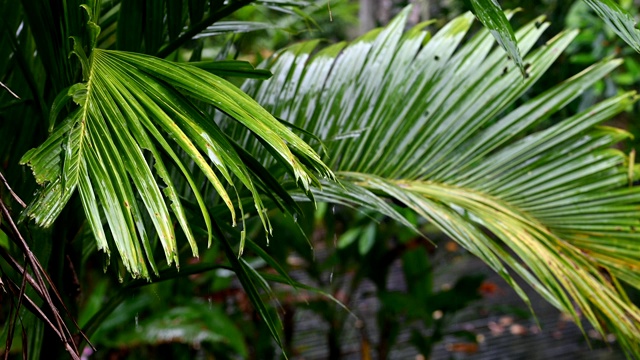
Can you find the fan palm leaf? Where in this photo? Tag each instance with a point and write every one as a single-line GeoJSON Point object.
{"type": "Point", "coordinates": [434, 123]}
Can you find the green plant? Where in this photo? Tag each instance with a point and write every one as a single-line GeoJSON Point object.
{"type": "Point", "coordinates": [403, 116]}
{"type": "Point", "coordinates": [614, 14]}
{"type": "Point", "coordinates": [548, 199]}
{"type": "Point", "coordinates": [131, 143]}
{"type": "Point", "coordinates": [349, 240]}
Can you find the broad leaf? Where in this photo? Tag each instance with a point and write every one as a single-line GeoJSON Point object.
{"type": "Point", "coordinates": [194, 323]}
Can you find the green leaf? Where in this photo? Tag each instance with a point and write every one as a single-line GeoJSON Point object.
{"type": "Point", "coordinates": [435, 124]}
{"type": "Point", "coordinates": [271, 262]}
{"type": "Point", "coordinates": [491, 15]}
{"type": "Point", "coordinates": [243, 109]}
{"type": "Point", "coordinates": [232, 68]}
{"type": "Point", "coordinates": [356, 197]}
{"type": "Point", "coordinates": [4, 240]}
{"type": "Point", "coordinates": [233, 27]}
{"type": "Point", "coordinates": [59, 103]}
{"type": "Point", "coordinates": [285, 280]}
{"type": "Point", "coordinates": [134, 112]}
{"type": "Point", "coordinates": [194, 323]}
{"type": "Point", "coordinates": [252, 282]}
{"type": "Point", "coordinates": [619, 20]}
{"type": "Point", "coordinates": [367, 239]}
{"type": "Point", "coordinates": [92, 27]}
{"type": "Point", "coordinates": [79, 52]}
{"type": "Point", "coordinates": [45, 160]}
{"type": "Point", "coordinates": [349, 237]}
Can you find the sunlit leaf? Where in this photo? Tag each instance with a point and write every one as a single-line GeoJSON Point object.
{"type": "Point", "coordinates": [118, 147]}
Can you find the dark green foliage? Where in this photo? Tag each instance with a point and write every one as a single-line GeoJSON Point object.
{"type": "Point", "coordinates": [151, 160]}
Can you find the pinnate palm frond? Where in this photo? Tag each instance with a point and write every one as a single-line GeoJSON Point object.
{"type": "Point", "coordinates": [619, 20]}
{"type": "Point", "coordinates": [133, 111]}
{"type": "Point", "coordinates": [433, 123]}
{"type": "Point", "coordinates": [613, 14]}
